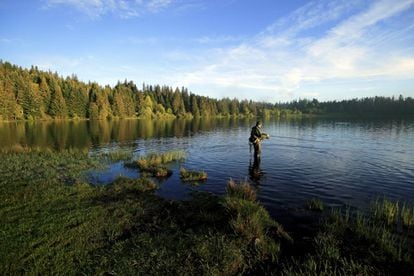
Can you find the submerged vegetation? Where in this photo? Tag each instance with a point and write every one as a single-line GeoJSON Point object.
{"type": "Point", "coordinates": [53, 222]}
{"type": "Point", "coordinates": [314, 204]}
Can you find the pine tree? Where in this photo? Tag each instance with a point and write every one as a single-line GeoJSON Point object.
{"type": "Point", "coordinates": [178, 104]}
{"type": "Point", "coordinates": [9, 109]}
{"type": "Point", "coordinates": [194, 106]}
{"type": "Point", "coordinates": [118, 107]}
{"type": "Point", "coordinates": [57, 107]}
{"type": "Point", "coordinates": [44, 93]}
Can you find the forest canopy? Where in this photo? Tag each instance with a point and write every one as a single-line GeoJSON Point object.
{"type": "Point", "coordinates": [33, 94]}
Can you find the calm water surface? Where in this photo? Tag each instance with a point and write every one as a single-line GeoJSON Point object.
{"type": "Point", "coordinates": [339, 161]}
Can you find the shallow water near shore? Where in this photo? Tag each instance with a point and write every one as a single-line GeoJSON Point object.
{"type": "Point", "coordinates": [338, 161]}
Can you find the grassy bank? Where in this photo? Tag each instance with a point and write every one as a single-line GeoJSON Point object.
{"type": "Point", "coordinates": [53, 222]}
{"type": "Point", "coordinates": [350, 242]}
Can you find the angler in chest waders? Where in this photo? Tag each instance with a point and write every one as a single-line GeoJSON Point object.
{"type": "Point", "coordinates": [256, 137]}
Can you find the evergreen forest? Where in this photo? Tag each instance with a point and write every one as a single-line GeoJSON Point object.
{"type": "Point", "coordinates": [33, 94]}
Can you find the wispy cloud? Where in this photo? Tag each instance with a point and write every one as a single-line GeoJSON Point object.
{"type": "Point", "coordinates": [122, 8]}
{"type": "Point", "coordinates": [359, 41]}
{"type": "Point", "coordinates": [218, 39]}
{"type": "Point", "coordinates": [5, 40]}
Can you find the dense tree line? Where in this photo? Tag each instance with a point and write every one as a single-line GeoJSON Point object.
{"type": "Point", "coordinates": [372, 106]}
{"type": "Point", "coordinates": [34, 94]}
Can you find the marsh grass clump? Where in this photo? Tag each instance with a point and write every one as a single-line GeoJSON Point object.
{"type": "Point", "coordinates": [188, 175]}
{"type": "Point", "coordinates": [351, 242]}
{"type": "Point", "coordinates": [314, 204]}
{"type": "Point", "coordinates": [156, 171]}
{"type": "Point", "coordinates": [242, 190]}
{"type": "Point", "coordinates": [114, 156]}
{"type": "Point", "coordinates": [156, 159]}
{"type": "Point", "coordinates": [253, 224]}
{"type": "Point", "coordinates": [385, 211]}
{"type": "Point", "coordinates": [407, 216]}
{"type": "Point", "coordinates": [129, 184]}
{"type": "Point", "coordinates": [154, 163]}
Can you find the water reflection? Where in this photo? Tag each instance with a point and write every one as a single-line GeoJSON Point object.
{"type": "Point", "coordinates": [87, 134]}
{"type": "Point", "coordinates": [336, 160]}
{"type": "Point", "coordinates": [255, 172]}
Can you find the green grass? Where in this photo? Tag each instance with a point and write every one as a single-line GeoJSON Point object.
{"type": "Point", "coordinates": [253, 224]}
{"type": "Point", "coordinates": [353, 243]}
{"type": "Point", "coordinates": [243, 190]}
{"type": "Point", "coordinates": [392, 213]}
{"type": "Point", "coordinates": [52, 222]}
{"type": "Point", "coordinates": [385, 211]}
{"type": "Point", "coordinates": [188, 175]}
{"type": "Point", "coordinates": [154, 163]}
{"type": "Point", "coordinates": [315, 204]}
{"type": "Point", "coordinates": [114, 156]}
{"type": "Point", "coordinates": [407, 216]}
{"type": "Point", "coordinates": [156, 159]}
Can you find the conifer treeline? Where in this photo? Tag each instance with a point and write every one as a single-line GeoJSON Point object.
{"type": "Point", "coordinates": [377, 106]}
{"type": "Point", "coordinates": [34, 94]}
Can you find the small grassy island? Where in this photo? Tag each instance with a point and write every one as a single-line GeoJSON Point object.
{"type": "Point", "coordinates": [187, 175]}
{"type": "Point", "coordinates": [53, 222]}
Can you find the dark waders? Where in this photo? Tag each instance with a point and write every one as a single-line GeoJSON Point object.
{"type": "Point", "coordinates": [257, 150]}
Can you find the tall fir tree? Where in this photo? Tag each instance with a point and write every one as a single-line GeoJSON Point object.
{"type": "Point", "coordinates": [57, 107]}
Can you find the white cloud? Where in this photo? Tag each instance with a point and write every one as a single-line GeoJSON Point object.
{"type": "Point", "coordinates": [122, 8]}
{"type": "Point", "coordinates": [217, 39]}
{"type": "Point", "coordinates": [311, 94]}
{"type": "Point", "coordinates": [359, 42]}
{"type": "Point", "coordinates": [5, 40]}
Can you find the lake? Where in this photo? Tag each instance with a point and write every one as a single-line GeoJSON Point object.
{"type": "Point", "coordinates": [342, 162]}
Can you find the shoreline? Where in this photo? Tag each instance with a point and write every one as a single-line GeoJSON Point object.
{"type": "Point", "coordinates": [293, 116]}
{"type": "Point", "coordinates": [70, 226]}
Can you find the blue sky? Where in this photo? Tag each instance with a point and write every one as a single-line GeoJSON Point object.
{"type": "Point", "coordinates": [264, 50]}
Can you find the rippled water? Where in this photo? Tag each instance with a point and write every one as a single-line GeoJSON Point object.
{"type": "Point", "coordinates": [339, 161]}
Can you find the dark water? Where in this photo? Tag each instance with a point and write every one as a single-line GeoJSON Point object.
{"type": "Point", "coordinates": [339, 161]}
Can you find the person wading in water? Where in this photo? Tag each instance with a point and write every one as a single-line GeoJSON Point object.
{"type": "Point", "coordinates": [256, 137]}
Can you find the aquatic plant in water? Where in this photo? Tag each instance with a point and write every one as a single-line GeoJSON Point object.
{"type": "Point", "coordinates": [385, 211]}
{"type": "Point", "coordinates": [189, 175]}
{"type": "Point", "coordinates": [407, 216]}
{"type": "Point", "coordinates": [243, 189]}
{"type": "Point", "coordinates": [314, 204]}
{"type": "Point", "coordinates": [154, 163]}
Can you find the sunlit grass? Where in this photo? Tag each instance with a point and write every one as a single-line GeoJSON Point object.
{"type": "Point", "coordinates": [50, 227]}
{"type": "Point", "coordinates": [354, 243]}
{"type": "Point", "coordinates": [115, 155]}
{"type": "Point", "coordinates": [53, 222]}
{"type": "Point", "coordinates": [154, 163]}
{"type": "Point", "coordinates": [407, 216]}
{"type": "Point", "coordinates": [243, 190]}
{"type": "Point", "coordinates": [156, 159]}
{"type": "Point", "coordinates": [252, 222]}
{"type": "Point", "coordinates": [188, 175]}
{"type": "Point", "coordinates": [385, 210]}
